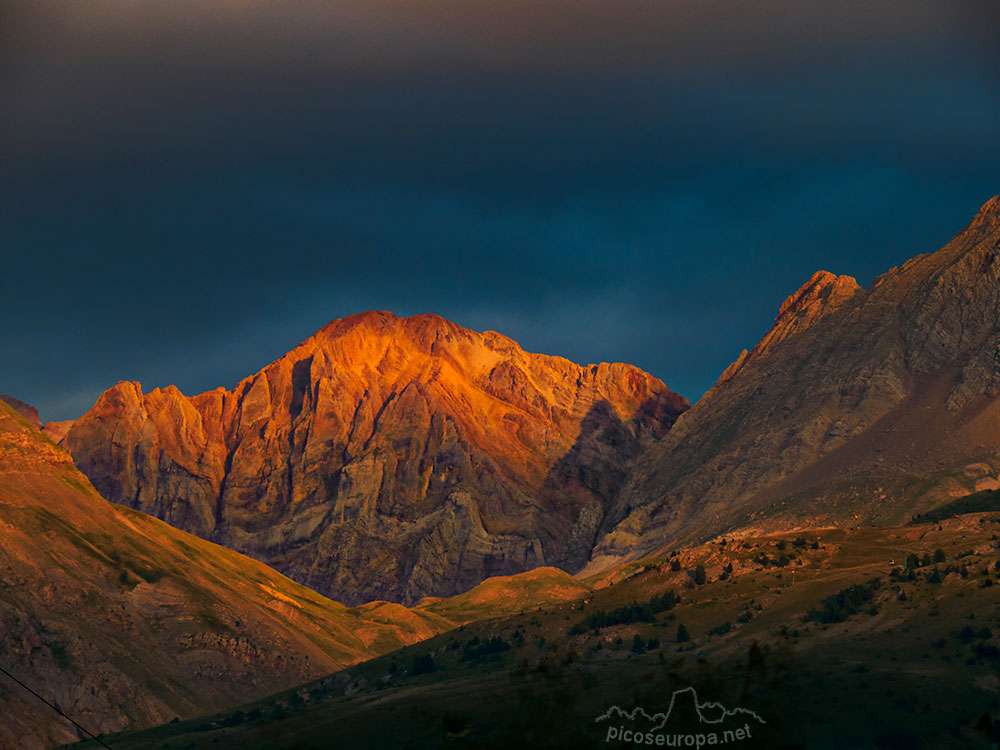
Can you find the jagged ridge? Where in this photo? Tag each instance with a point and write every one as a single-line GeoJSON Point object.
{"type": "Point", "coordinates": [858, 406]}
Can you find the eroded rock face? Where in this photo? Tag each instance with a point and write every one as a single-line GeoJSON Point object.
{"type": "Point", "coordinates": [859, 405]}
{"type": "Point", "coordinates": [56, 431]}
{"type": "Point", "coordinates": [384, 457]}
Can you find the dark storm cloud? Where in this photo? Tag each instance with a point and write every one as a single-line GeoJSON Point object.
{"type": "Point", "coordinates": [187, 189]}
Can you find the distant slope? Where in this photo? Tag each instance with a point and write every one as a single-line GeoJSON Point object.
{"type": "Point", "coordinates": [859, 406]}
{"type": "Point", "coordinates": [508, 595]}
{"type": "Point", "coordinates": [384, 457]}
{"type": "Point", "coordinates": [125, 621]}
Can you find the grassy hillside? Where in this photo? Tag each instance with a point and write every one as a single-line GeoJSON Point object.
{"type": "Point", "coordinates": [126, 622]}
{"type": "Point", "coordinates": [821, 633]}
{"type": "Point", "coordinates": [505, 595]}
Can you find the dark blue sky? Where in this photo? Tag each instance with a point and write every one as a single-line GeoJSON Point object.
{"type": "Point", "coordinates": [189, 189]}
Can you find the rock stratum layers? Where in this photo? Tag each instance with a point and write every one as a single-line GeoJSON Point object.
{"type": "Point", "coordinates": [384, 457]}
{"type": "Point", "coordinates": [859, 406]}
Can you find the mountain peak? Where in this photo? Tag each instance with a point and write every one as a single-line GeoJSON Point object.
{"type": "Point", "coordinates": [821, 295]}
{"type": "Point", "coordinates": [374, 319]}
{"type": "Point", "coordinates": [983, 229]}
{"type": "Point", "coordinates": [990, 209]}
{"type": "Point", "coordinates": [822, 288]}
{"type": "Point", "coordinates": [425, 328]}
{"type": "Point", "coordinates": [849, 391]}
{"type": "Point", "coordinates": [431, 437]}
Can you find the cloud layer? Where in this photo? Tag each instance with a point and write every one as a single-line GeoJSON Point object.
{"type": "Point", "coordinates": [187, 189]}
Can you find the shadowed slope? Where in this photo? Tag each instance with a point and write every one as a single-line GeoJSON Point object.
{"type": "Point", "coordinates": [859, 405]}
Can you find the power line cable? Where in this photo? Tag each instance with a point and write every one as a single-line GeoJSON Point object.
{"type": "Point", "coordinates": [58, 710]}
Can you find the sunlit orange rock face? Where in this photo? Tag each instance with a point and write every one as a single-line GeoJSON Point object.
{"type": "Point", "coordinates": [385, 457]}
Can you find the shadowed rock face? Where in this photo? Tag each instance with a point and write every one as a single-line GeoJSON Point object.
{"type": "Point", "coordinates": [858, 406]}
{"type": "Point", "coordinates": [385, 457]}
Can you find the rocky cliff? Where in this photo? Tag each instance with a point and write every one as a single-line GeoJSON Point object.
{"type": "Point", "coordinates": [858, 406]}
{"type": "Point", "coordinates": [384, 457]}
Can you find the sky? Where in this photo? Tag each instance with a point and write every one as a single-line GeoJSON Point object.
{"type": "Point", "coordinates": [189, 189]}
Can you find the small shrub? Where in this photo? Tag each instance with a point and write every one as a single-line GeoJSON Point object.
{"type": "Point", "coordinates": [488, 647]}
{"type": "Point", "coordinates": [422, 664]}
{"type": "Point", "coordinates": [721, 629]}
{"type": "Point", "coordinates": [630, 613]}
{"type": "Point", "coordinates": [845, 603]}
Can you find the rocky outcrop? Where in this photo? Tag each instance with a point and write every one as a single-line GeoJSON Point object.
{"type": "Point", "coordinates": [56, 431]}
{"type": "Point", "coordinates": [385, 458]}
{"type": "Point", "coordinates": [30, 413]}
{"type": "Point", "coordinates": [822, 294]}
{"type": "Point", "coordinates": [858, 406]}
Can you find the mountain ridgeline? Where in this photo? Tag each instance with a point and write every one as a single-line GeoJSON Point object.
{"type": "Point", "coordinates": [859, 406]}
{"type": "Point", "coordinates": [384, 457]}
{"type": "Point", "coordinates": [398, 458]}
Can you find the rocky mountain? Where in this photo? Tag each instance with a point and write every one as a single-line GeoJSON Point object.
{"type": "Point", "coordinates": [385, 457]}
{"type": "Point", "coordinates": [859, 406]}
{"type": "Point", "coordinates": [125, 622]}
